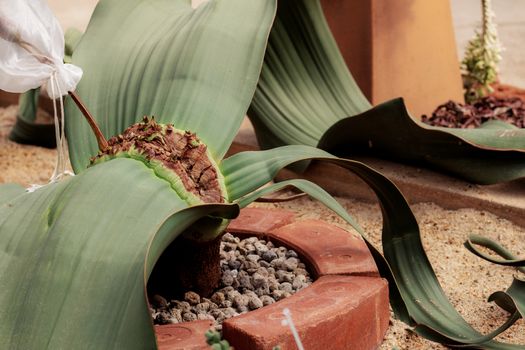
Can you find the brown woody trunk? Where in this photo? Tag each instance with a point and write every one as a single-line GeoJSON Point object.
{"type": "Point", "coordinates": [187, 265]}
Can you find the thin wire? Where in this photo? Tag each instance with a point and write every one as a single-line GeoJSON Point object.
{"type": "Point", "coordinates": [58, 164]}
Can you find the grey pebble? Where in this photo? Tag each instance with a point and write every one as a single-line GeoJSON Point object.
{"type": "Point", "coordinates": [205, 317]}
{"type": "Point", "coordinates": [228, 237]}
{"type": "Point", "coordinates": [286, 287]}
{"type": "Point", "coordinates": [281, 252]}
{"type": "Point", "coordinates": [260, 247]}
{"type": "Point", "coordinates": [299, 282]}
{"type": "Point", "coordinates": [267, 300]}
{"type": "Point", "coordinates": [291, 264]}
{"type": "Point", "coordinates": [283, 276]}
{"type": "Point", "coordinates": [184, 306]}
{"type": "Point", "coordinates": [255, 303]}
{"type": "Point", "coordinates": [192, 298]}
{"type": "Point", "coordinates": [291, 254]}
{"type": "Point", "coordinates": [234, 264]}
{"type": "Point", "coordinates": [255, 273]}
{"type": "Point", "coordinates": [269, 255]}
{"type": "Point", "coordinates": [202, 308]}
{"type": "Point", "coordinates": [259, 281]}
{"type": "Point", "coordinates": [176, 316]}
{"type": "Point", "coordinates": [262, 291]}
{"type": "Point", "coordinates": [218, 298]}
{"type": "Point", "coordinates": [227, 278]}
{"type": "Point", "coordinates": [240, 300]}
{"type": "Point", "coordinates": [253, 258]}
{"type": "Point", "coordinates": [277, 294]}
{"type": "Point", "coordinates": [188, 317]}
{"type": "Point", "coordinates": [264, 263]}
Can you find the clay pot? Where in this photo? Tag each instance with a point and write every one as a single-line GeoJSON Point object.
{"type": "Point", "coordinates": [345, 308]}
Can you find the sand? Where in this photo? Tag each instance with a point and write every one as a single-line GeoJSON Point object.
{"type": "Point", "coordinates": [467, 280]}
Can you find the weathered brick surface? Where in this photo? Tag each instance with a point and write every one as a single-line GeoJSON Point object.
{"type": "Point", "coordinates": [183, 336]}
{"type": "Point", "coordinates": [259, 220]}
{"type": "Point", "coordinates": [335, 312]}
{"type": "Point", "coordinates": [345, 308]}
{"type": "Point", "coordinates": [329, 249]}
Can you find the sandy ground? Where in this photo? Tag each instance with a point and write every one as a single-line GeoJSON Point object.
{"type": "Point", "coordinates": [467, 279]}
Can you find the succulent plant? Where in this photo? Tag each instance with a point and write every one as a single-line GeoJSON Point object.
{"type": "Point", "coordinates": [482, 56]}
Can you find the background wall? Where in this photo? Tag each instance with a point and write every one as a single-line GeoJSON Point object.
{"type": "Point", "coordinates": [510, 19]}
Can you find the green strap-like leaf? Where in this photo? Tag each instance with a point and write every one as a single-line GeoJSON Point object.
{"type": "Point", "coordinates": [76, 255]}
{"type": "Point", "coordinates": [26, 131]}
{"type": "Point", "coordinates": [305, 85]}
{"type": "Point", "coordinates": [307, 96]}
{"type": "Point", "coordinates": [509, 259]}
{"type": "Point", "coordinates": [71, 40]}
{"type": "Point", "coordinates": [415, 293]}
{"type": "Point", "coordinates": [513, 300]}
{"type": "Point", "coordinates": [487, 155]}
{"type": "Point", "coordinates": [195, 68]}
{"type": "Point", "coordinates": [10, 191]}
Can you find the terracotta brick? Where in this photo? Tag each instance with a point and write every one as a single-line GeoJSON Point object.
{"type": "Point", "coordinates": [183, 336]}
{"type": "Point", "coordinates": [259, 220]}
{"type": "Point", "coordinates": [335, 312]}
{"type": "Point", "coordinates": [329, 249]}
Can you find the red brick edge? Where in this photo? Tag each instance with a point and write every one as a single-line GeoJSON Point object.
{"type": "Point", "coordinates": [345, 308]}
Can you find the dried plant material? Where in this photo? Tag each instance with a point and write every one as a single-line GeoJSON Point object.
{"type": "Point", "coordinates": [175, 155]}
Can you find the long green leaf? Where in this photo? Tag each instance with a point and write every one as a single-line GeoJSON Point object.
{"type": "Point", "coordinates": [304, 86]}
{"type": "Point", "coordinates": [306, 95]}
{"type": "Point", "coordinates": [10, 191]}
{"type": "Point", "coordinates": [76, 256]}
{"type": "Point", "coordinates": [415, 293]}
{"type": "Point", "coordinates": [513, 299]}
{"type": "Point", "coordinates": [487, 155]}
{"type": "Point", "coordinates": [509, 259]}
{"type": "Point", "coordinates": [195, 68]}
{"type": "Point", "coordinates": [26, 130]}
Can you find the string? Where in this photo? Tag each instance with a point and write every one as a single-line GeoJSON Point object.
{"type": "Point", "coordinates": [60, 166]}
{"type": "Point", "coordinates": [289, 322]}
{"type": "Point", "coordinates": [58, 163]}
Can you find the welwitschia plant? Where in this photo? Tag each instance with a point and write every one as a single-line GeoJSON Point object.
{"type": "Point", "coordinates": [76, 255]}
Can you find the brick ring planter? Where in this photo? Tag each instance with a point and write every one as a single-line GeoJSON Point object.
{"type": "Point", "coordinates": [345, 308]}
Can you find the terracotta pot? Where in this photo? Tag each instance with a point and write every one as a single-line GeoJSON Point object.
{"type": "Point", "coordinates": [399, 48]}
{"type": "Point", "coordinates": [345, 308]}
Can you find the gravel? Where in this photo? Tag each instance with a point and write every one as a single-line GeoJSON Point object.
{"type": "Point", "coordinates": [255, 273]}
{"type": "Point", "coordinates": [457, 115]}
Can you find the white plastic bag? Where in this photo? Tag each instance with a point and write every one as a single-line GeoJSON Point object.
{"type": "Point", "coordinates": [32, 49]}
{"type": "Point", "coordinates": [31, 56]}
